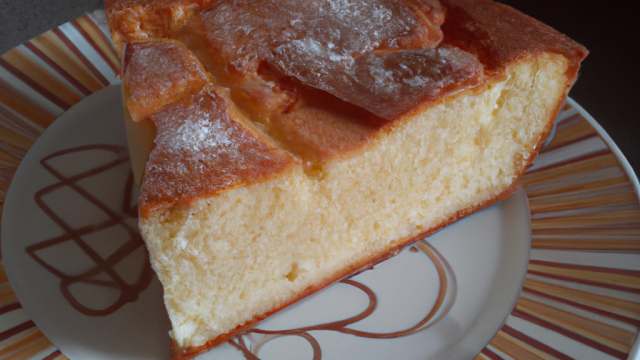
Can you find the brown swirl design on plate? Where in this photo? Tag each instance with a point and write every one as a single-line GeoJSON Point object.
{"type": "Point", "coordinates": [444, 301]}
{"type": "Point", "coordinates": [103, 266]}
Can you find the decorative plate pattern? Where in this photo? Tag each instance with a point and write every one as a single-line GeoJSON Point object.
{"type": "Point", "coordinates": [581, 297]}
{"type": "Point", "coordinates": [39, 80]}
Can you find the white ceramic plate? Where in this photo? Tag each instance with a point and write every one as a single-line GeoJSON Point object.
{"type": "Point", "coordinates": [73, 191]}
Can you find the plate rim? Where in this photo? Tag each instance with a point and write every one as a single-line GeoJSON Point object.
{"type": "Point", "coordinates": [634, 353]}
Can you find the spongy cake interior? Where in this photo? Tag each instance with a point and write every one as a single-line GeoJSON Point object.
{"type": "Point", "coordinates": [226, 259]}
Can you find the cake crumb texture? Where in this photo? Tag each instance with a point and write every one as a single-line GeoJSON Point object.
{"type": "Point", "coordinates": [296, 145]}
{"type": "Point", "coordinates": [225, 259]}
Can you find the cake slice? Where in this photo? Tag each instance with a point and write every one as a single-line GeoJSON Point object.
{"type": "Point", "coordinates": [288, 155]}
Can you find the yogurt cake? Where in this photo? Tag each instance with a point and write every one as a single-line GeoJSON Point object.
{"type": "Point", "coordinates": [284, 145]}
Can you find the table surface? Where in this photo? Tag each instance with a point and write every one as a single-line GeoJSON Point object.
{"type": "Point", "coordinates": [607, 87]}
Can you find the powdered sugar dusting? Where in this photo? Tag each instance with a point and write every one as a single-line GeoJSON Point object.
{"type": "Point", "coordinates": [244, 29]}
{"type": "Point", "coordinates": [200, 149]}
{"type": "Point", "coordinates": [377, 54]}
{"type": "Point", "coordinates": [248, 31]}
{"type": "Point", "coordinates": [387, 83]}
{"type": "Point", "coordinates": [195, 129]}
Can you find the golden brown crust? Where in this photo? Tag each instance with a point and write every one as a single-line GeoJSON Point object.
{"type": "Point", "coordinates": [316, 132]}
{"type": "Point", "coordinates": [122, 4]}
{"type": "Point", "coordinates": [500, 35]}
{"type": "Point", "coordinates": [491, 31]}
{"type": "Point", "coordinates": [159, 72]}
{"type": "Point", "coordinates": [200, 150]}
{"type": "Point", "coordinates": [141, 20]}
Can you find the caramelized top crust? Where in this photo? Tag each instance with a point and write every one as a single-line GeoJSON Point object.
{"type": "Point", "coordinates": [157, 73]}
{"type": "Point", "coordinates": [498, 35]}
{"type": "Point", "coordinates": [316, 134]}
{"type": "Point", "coordinates": [315, 120]}
{"type": "Point", "coordinates": [202, 149]}
{"type": "Point", "coordinates": [122, 4]}
{"type": "Point", "coordinates": [381, 55]}
{"type": "Point", "coordinates": [142, 20]}
{"type": "Point", "coordinates": [391, 83]}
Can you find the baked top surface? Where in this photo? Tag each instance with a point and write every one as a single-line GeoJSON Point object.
{"type": "Point", "coordinates": [499, 34]}
{"type": "Point", "coordinates": [157, 73]}
{"type": "Point", "coordinates": [316, 109]}
{"type": "Point", "coordinates": [201, 149]}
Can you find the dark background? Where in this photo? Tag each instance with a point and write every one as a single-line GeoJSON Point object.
{"type": "Point", "coordinates": [608, 86]}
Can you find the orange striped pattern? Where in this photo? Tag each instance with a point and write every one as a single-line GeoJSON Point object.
{"type": "Point", "coordinates": [50, 47]}
{"type": "Point", "coordinates": [91, 32]}
{"type": "Point", "coordinates": [582, 207]}
{"type": "Point", "coordinates": [38, 81]}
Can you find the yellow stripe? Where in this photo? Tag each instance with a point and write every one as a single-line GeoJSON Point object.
{"type": "Point", "coordinates": [37, 346]}
{"type": "Point", "coordinates": [26, 340]}
{"type": "Point", "coordinates": [575, 187]}
{"type": "Point", "coordinates": [41, 75]}
{"type": "Point", "coordinates": [554, 204]}
{"type": "Point", "coordinates": [16, 139]}
{"type": "Point", "coordinates": [5, 287]}
{"type": "Point", "coordinates": [4, 187]}
{"type": "Point", "coordinates": [3, 274]}
{"type": "Point", "coordinates": [56, 50]}
{"type": "Point", "coordinates": [594, 163]}
{"type": "Point", "coordinates": [609, 335]}
{"type": "Point", "coordinates": [617, 306]}
{"type": "Point", "coordinates": [100, 40]}
{"type": "Point", "coordinates": [24, 106]}
{"type": "Point", "coordinates": [578, 130]}
{"type": "Point", "coordinates": [600, 277]}
{"type": "Point", "coordinates": [3, 190]}
{"type": "Point", "coordinates": [5, 156]}
{"type": "Point", "coordinates": [8, 297]}
{"type": "Point", "coordinates": [518, 349]}
{"type": "Point", "coordinates": [588, 230]}
{"type": "Point", "coordinates": [608, 244]}
{"type": "Point", "coordinates": [619, 218]}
